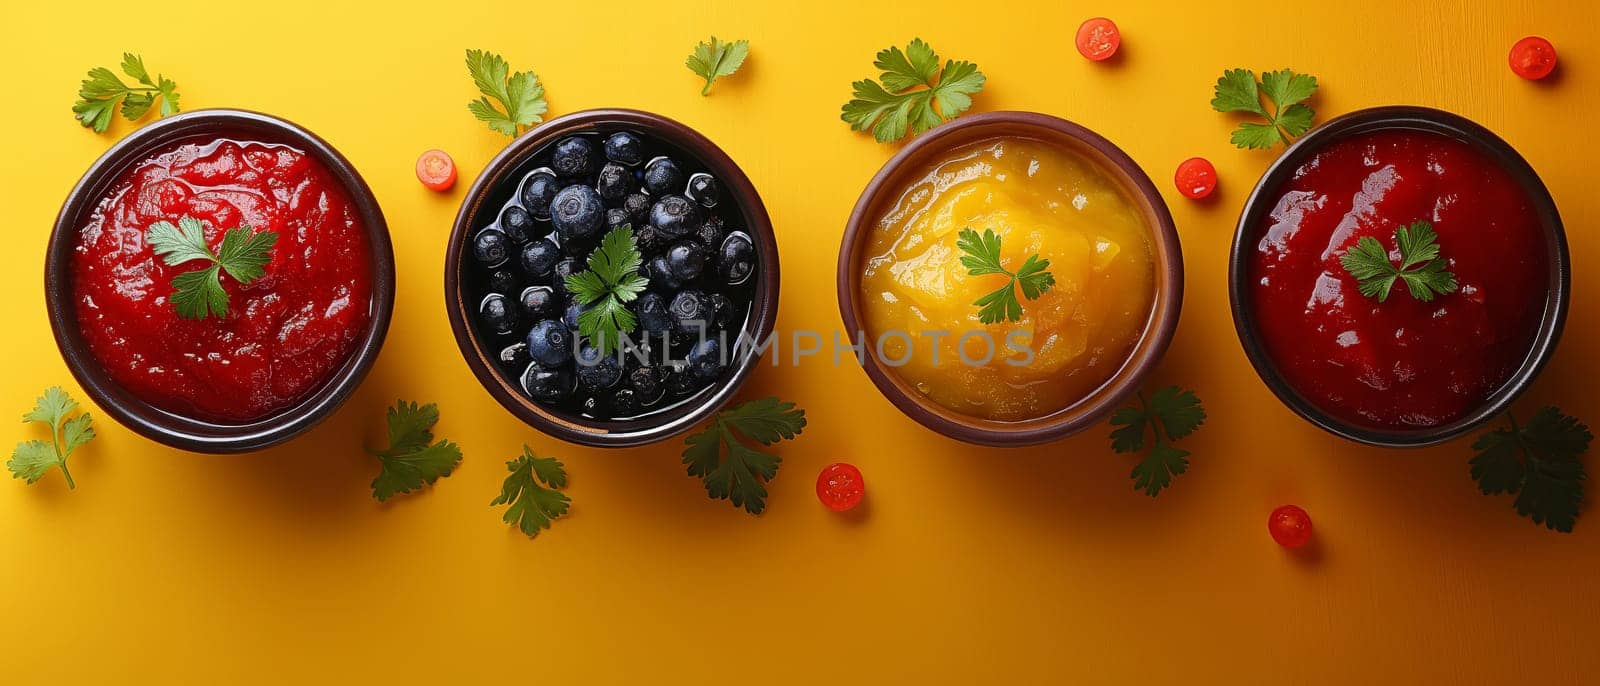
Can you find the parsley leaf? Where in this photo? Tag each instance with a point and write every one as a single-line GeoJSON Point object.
{"type": "Point", "coordinates": [1538, 462]}
{"type": "Point", "coordinates": [520, 95]}
{"type": "Point", "coordinates": [893, 107]}
{"type": "Point", "coordinates": [717, 59]}
{"type": "Point", "coordinates": [1169, 414]}
{"type": "Point", "coordinates": [244, 254]}
{"type": "Point", "coordinates": [532, 505]}
{"type": "Point", "coordinates": [983, 257]}
{"type": "Point", "coordinates": [32, 459]}
{"type": "Point", "coordinates": [740, 477]}
{"type": "Point", "coordinates": [100, 95]}
{"type": "Point", "coordinates": [413, 459]}
{"type": "Point", "coordinates": [1420, 266]}
{"type": "Point", "coordinates": [1237, 91]}
{"type": "Point", "coordinates": [605, 289]}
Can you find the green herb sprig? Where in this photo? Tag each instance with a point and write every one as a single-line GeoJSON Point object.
{"type": "Point", "coordinates": [1289, 118]}
{"type": "Point", "coordinates": [912, 83]}
{"type": "Point", "coordinates": [715, 59]}
{"type": "Point", "coordinates": [244, 254]}
{"type": "Point", "coordinates": [531, 492]}
{"type": "Point", "coordinates": [413, 459]}
{"type": "Point", "coordinates": [103, 94]}
{"type": "Point", "coordinates": [32, 459]}
{"type": "Point", "coordinates": [982, 257]}
{"type": "Point", "coordinates": [1421, 268]}
{"type": "Point", "coordinates": [1537, 461]}
{"type": "Point", "coordinates": [520, 95]}
{"type": "Point", "coordinates": [607, 286]}
{"type": "Point", "coordinates": [740, 476]}
{"type": "Point", "coordinates": [1166, 416]}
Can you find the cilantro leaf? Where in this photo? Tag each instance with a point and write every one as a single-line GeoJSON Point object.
{"type": "Point", "coordinates": [607, 286]}
{"type": "Point", "coordinates": [742, 475]}
{"type": "Point", "coordinates": [1420, 265]}
{"type": "Point", "coordinates": [532, 505]}
{"type": "Point", "coordinates": [1238, 91]}
{"type": "Point", "coordinates": [912, 83]}
{"type": "Point", "coordinates": [982, 257]}
{"type": "Point", "coordinates": [31, 460]}
{"type": "Point", "coordinates": [103, 94]}
{"type": "Point", "coordinates": [520, 95]}
{"type": "Point", "coordinates": [1539, 463]}
{"type": "Point", "coordinates": [244, 254]}
{"type": "Point", "coordinates": [1167, 415]}
{"type": "Point", "coordinates": [717, 59]}
{"type": "Point", "coordinates": [413, 459]}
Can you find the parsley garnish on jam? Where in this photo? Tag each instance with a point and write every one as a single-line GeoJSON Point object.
{"type": "Point", "coordinates": [983, 257]}
{"type": "Point", "coordinates": [101, 94]}
{"type": "Point", "coordinates": [716, 59]}
{"type": "Point", "coordinates": [1169, 414]}
{"type": "Point", "coordinates": [32, 459]}
{"type": "Point", "coordinates": [413, 459]}
{"type": "Point", "coordinates": [531, 491]}
{"type": "Point", "coordinates": [1420, 265]}
{"type": "Point", "coordinates": [606, 287]}
{"type": "Point", "coordinates": [739, 477]}
{"type": "Point", "coordinates": [244, 254]}
{"type": "Point", "coordinates": [911, 84]}
{"type": "Point", "coordinates": [1238, 91]}
{"type": "Point", "coordinates": [1537, 461]}
{"type": "Point", "coordinates": [520, 95]}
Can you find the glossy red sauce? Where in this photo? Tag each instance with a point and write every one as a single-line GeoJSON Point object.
{"type": "Point", "coordinates": [1402, 363]}
{"type": "Point", "coordinates": [284, 334]}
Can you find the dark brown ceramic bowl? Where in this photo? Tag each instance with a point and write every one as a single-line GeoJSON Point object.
{"type": "Point", "coordinates": [480, 208]}
{"type": "Point", "coordinates": [1159, 327]}
{"type": "Point", "coordinates": [1455, 126]}
{"type": "Point", "coordinates": [161, 425]}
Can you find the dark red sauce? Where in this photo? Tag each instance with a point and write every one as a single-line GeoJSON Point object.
{"type": "Point", "coordinates": [1402, 363]}
{"type": "Point", "coordinates": [284, 334]}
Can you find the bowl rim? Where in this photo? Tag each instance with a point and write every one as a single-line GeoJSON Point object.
{"type": "Point", "coordinates": [164, 426]}
{"type": "Point", "coordinates": [1416, 118]}
{"type": "Point", "coordinates": [758, 225]}
{"type": "Point", "coordinates": [1160, 325]}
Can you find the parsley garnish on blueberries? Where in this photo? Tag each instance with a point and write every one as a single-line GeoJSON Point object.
{"type": "Point", "coordinates": [606, 287]}
{"type": "Point", "coordinates": [520, 95]}
{"type": "Point", "coordinates": [532, 492]}
{"type": "Point", "coordinates": [913, 93]}
{"type": "Point", "coordinates": [31, 460]}
{"type": "Point", "coordinates": [741, 474]}
{"type": "Point", "coordinates": [243, 254]}
{"type": "Point", "coordinates": [715, 59]}
{"type": "Point", "coordinates": [1421, 267]}
{"type": "Point", "coordinates": [103, 93]}
{"type": "Point", "coordinates": [982, 257]}
{"type": "Point", "coordinates": [1290, 117]}
{"type": "Point", "coordinates": [413, 459]}
{"type": "Point", "coordinates": [1538, 462]}
{"type": "Point", "coordinates": [1165, 416]}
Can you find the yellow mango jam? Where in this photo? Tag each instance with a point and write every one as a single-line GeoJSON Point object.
{"type": "Point", "coordinates": [1040, 199]}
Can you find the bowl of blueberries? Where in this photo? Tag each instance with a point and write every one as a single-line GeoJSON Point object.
{"type": "Point", "coordinates": [612, 278]}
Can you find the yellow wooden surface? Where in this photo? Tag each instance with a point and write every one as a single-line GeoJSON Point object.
{"type": "Point", "coordinates": [968, 565]}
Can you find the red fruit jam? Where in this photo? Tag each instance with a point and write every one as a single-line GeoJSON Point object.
{"type": "Point", "coordinates": [284, 334]}
{"type": "Point", "coordinates": [1402, 363]}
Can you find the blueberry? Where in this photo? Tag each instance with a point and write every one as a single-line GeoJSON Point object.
{"type": "Point", "coordinates": [515, 356]}
{"type": "Point", "coordinates": [638, 207]}
{"type": "Point", "coordinates": [645, 380]}
{"type": "Point", "coordinates": [569, 317]}
{"type": "Point", "coordinates": [617, 218]}
{"type": "Point", "coordinates": [491, 247]}
{"type": "Point", "coordinates": [662, 176]}
{"type": "Point", "coordinates": [710, 232]}
{"type": "Point", "coordinates": [538, 191]}
{"type": "Point", "coordinates": [649, 240]}
{"type": "Point", "coordinates": [685, 259]}
{"type": "Point", "coordinates": [624, 403]}
{"type": "Point", "coordinates": [624, 148]}
{"type": "Point", "coordinates": [614, 183]}
{"type": "Point", "coordinates": [573, 156]}
{"type": "Point", "coordinates": [736, 260]}
{"type": "Point", "coordinates": [549, 343]}
{"type": "Point", "coordinates": [703, 189]}
{"type": "Point", "coordinates": [539, 257]}
{"type": "Point", "coordinates": [651, 311]}
{"type": "Point", "coordinates": [597, 372]}
{"type": "Point", "coordinates": [660, 275]}
{"type": "Point", "coordinates": [674, 215]}
{"type": "Point", "coordinates": [538, 302]}
{"type": "Point", "coordinates": [496, 314]}
{"type": "Point", "coordinates": [502, 281]}
{"type": "Point", "coordinates": [679, 383]}
{"type": "Point", "coordinates": [691, 312]}
{"type": "Point", "coordinates": [547, 383]}
{"type": "Point", "coordinates": [577, 211]}
{"type": "Point", "coordinates": [722, 312]}
{"type": "Point", "coordinates": [558, 277]}
{"type": "Point", "coordinates": [518, 224]}
{"type": "Point", "coordinates": [705, 360]}
{"type": "Point", "coordinates": [578, 248]}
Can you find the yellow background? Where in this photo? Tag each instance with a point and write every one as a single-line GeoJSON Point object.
{"type": "Point", "coordinates": [967, 565]}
